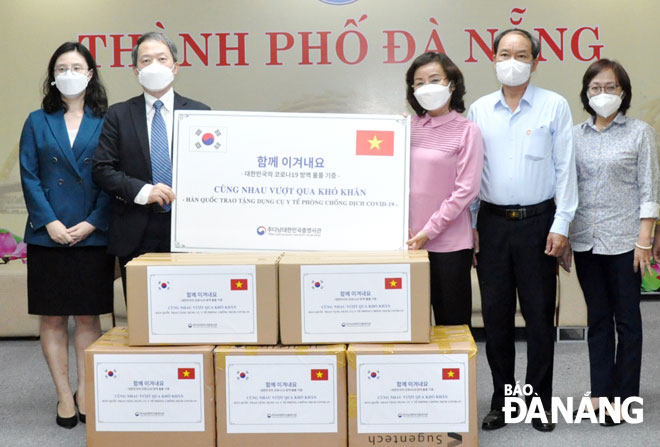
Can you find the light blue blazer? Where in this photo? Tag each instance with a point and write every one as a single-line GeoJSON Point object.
{"type": "Point", "coordinates": [57, 178]}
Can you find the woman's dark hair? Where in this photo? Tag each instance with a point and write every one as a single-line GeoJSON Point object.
{"type": "Point", "coordinates": [95, 96]}
{"type": "Point", "coordinates": [621, 78]}
{"type": "Point", "coordinates": [452, 72]}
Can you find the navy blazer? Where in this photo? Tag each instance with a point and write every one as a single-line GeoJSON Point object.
{"type": "Point", "coordinates": [57, 178]}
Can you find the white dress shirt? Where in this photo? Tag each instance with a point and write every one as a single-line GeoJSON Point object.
{"type": "Point", "coordinates": [73, 133]}
{"type": "Point", "coordinates": [167, 112]}
{"type": "Point", "coordinates": [528, 152]}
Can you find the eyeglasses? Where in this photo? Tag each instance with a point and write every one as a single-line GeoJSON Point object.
{"type": "Point", "coordinates": [610, 89]}
{"type": "Point", "coordinates": [418, 84]}
{"type": "Point", "coordinates": [61, 69]}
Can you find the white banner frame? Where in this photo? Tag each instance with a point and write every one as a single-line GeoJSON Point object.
{"type": "Point", "coordinates": [298, 211]}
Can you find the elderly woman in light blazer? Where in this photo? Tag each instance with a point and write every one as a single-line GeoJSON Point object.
{"type": "Point", "coordinates": [69, 271]}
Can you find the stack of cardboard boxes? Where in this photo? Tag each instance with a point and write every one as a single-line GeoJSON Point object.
{"type": "Point", "coordinates": [164, 382]}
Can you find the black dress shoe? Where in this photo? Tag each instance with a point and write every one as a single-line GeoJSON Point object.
{"type": "Point", "coordinates": [65, 422]}
{"type": "Point", "coordinates": [609, 422]}
{"type": "Point", "coordinates": [539, 425]}
{"type": "Point", "coordinates": [82, 417]}
{"type": "Point", "coordinates": [493, 420]}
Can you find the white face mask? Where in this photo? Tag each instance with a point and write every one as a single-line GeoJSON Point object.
{"type": "Point", "coordinates": [71, 84]}
{"type": "Point", "coordinates": [512, 72]}
{"type": "Point", "coordinates": [156, 77]}
{"type": "Point", "coordinates": [605, 105]}
{"type": "Point", "coordinates": [432, 96]}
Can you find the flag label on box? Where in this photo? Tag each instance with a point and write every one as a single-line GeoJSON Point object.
{"type": "Point", "coordinates": [149, 392]}
{"type": "Point", "coordinates": [186, 373]}
{"type": "Point", "coordinates": [352, 303]}
{"type": "Point", "coordinates": [319, 374]}
{"type": "Point", "coordinates": [284, 394]}
{"type": "Point", "coordinates": [202, 303]}
{"type": "Point", "coordinates": [415, 393]}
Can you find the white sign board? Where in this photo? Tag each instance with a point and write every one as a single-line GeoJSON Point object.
{"type": "Point", "coordinates": [289, 181]}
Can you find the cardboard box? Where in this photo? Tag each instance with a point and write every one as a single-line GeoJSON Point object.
{"type": "Point", "coordinates": [194, 298]}
{"type": "Point", "coordinates": [344, 297]}
{"type": "Point", "coordinates": [281, 396]}
{"type": "Point", "coordinates": [160, 396]}
{"type": "Point", "coordinates": [414, 395]}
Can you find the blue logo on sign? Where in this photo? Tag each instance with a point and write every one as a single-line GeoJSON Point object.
{"type": "Point", "coordinates": [338, 2]}
{"type": "Point", "coordinates": [261, 230]}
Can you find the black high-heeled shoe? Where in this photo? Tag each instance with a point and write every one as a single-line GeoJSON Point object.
{"type": "Point", "coordinates": [65, 422]}
{"type": "Point", "coordinates": [81, 416]}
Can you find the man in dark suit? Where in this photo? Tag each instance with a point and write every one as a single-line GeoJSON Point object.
{"type": "Point", "coordinates": [132, 162]}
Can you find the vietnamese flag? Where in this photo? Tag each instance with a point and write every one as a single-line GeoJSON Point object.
{"type": "Point", "coordinates": [186, 373]}
{"type": "Point", "coordinates": [239, 284]}
{"type": "Point", "coordinates": [393, 283]}
{"type": "Point", "coordinates": [319, 374]}
{"type": "Point", "coordinates": [374, 142]}
{"type": "Point", "coordinates": [451, 373]}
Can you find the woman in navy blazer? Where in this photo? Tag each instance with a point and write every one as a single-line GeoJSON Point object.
{"type": "Point", "coordinates": [69, 270]}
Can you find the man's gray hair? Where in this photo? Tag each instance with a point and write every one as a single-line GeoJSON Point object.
{"type": "Point", "coordinates": [153, 35]}
{"type": "Point", "coordinates": [536, 47]}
